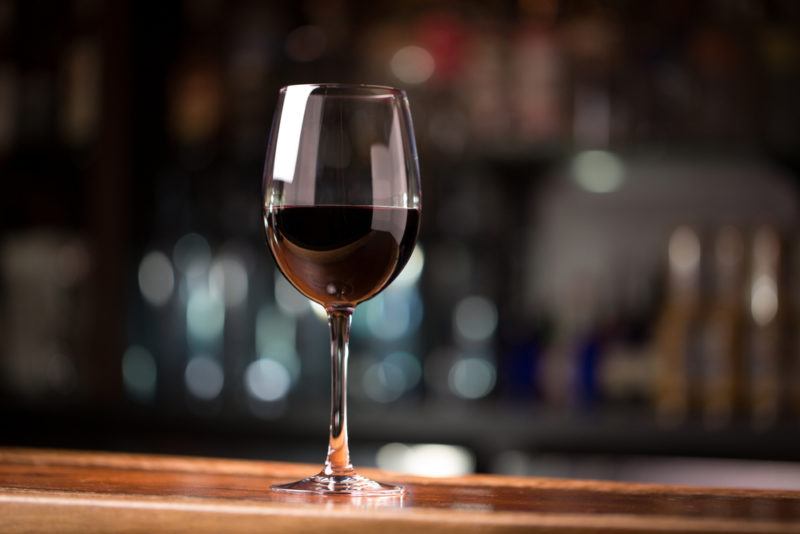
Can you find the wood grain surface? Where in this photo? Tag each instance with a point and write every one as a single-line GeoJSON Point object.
{"type": "Point", "coordinates": [62, 491]}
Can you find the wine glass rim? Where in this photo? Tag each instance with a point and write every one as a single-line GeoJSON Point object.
{"type": "Point", "coordinates": [382, 90]}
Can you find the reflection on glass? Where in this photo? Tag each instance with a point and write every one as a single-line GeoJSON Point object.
{"type": "Point", "coordinates": [287, 142]}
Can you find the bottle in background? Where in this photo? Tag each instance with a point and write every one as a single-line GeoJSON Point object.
{"type": "Point", "coordinates": [625, 372]}
{"type": "Point", "coordinates": [79, 112]}
{"type": "Point", "coordinates": [569, 359]}
{"type": "Point", "coordinates": [675, 331]}
{"type": "Point", "coordinates": [764, 339]}
{"type": "Point", "coordinates": [721, 340]}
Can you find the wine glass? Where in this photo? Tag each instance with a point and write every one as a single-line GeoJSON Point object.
{"type": "Point", "coordinates": [342, 211]}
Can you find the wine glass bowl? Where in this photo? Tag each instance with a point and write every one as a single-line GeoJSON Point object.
{"type": "Point", "coordinates": [340, 256]}
{"type": "Point", "coordinates": [342, 211]}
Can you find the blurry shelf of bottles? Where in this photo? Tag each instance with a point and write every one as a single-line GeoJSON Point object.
{"type": "Point", "coordinates": [520, 108]}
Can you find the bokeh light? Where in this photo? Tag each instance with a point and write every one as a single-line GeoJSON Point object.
{"type": "Point", "coordinates": [156, 278]}
{"type": "Point", "coordinates": [684, 250]}
{"type": "Point", "coordinates": [275, 339]}
{"type": "Point", "coordinates": [275, 332]}
{"type": "Point", "coordinates": [267, 380]}
{"type": "Point", "coordinates": [388, 317]}
{"type": "Point", "coordinates": [189, 249]}
{"type": "Point", "coordinates": [392, 314]}
{"type": "Point", "coordinates": [205, 316]}
{"type": "Point", "coordinates": [598, 171]}
{"type": "Point", "coordinates": [426, 459]}
{"type": "Point", "coordinates": [472, 378]}
{"type": "Point", "coordinates": [475, 318]}
{"type": "Point", "coordinates": [764, 300]}
{"type": "Point", "coordinates": [228, 280]}
{"type": "Point", "coordinates": [409, 365]}
{"type": "Point", "coordinates": [139, 372]}
{"type": "Point", "coordinates": [288, 299]}
{"type": "Point", "coordinates": [204, 377]}
{"type": "Point", "coordinates": [412, 65]}
{"type": "Point", "coordinates": [384, 381]}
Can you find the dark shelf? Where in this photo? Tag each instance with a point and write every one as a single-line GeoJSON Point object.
{"type": "Point", "coordinates": [300, 434]}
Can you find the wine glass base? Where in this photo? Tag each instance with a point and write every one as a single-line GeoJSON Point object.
{"type": "Point", "coordinates": [353, 484]}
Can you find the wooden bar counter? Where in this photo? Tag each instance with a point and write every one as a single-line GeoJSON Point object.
{"type": "Point", "coordinates": [60, 491]}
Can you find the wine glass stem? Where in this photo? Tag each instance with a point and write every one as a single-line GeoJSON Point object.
{"type": "Point", "coordinates": [338, 460]}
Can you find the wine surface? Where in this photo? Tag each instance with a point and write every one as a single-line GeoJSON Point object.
{"type": "Point", "coordinates": [341, 255]}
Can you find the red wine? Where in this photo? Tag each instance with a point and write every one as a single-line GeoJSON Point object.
{"type": "Point", "coordinates": [341, 255]}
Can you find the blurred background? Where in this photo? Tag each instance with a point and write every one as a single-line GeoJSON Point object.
{"type": "Point", "coordinates": [605, 284]}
